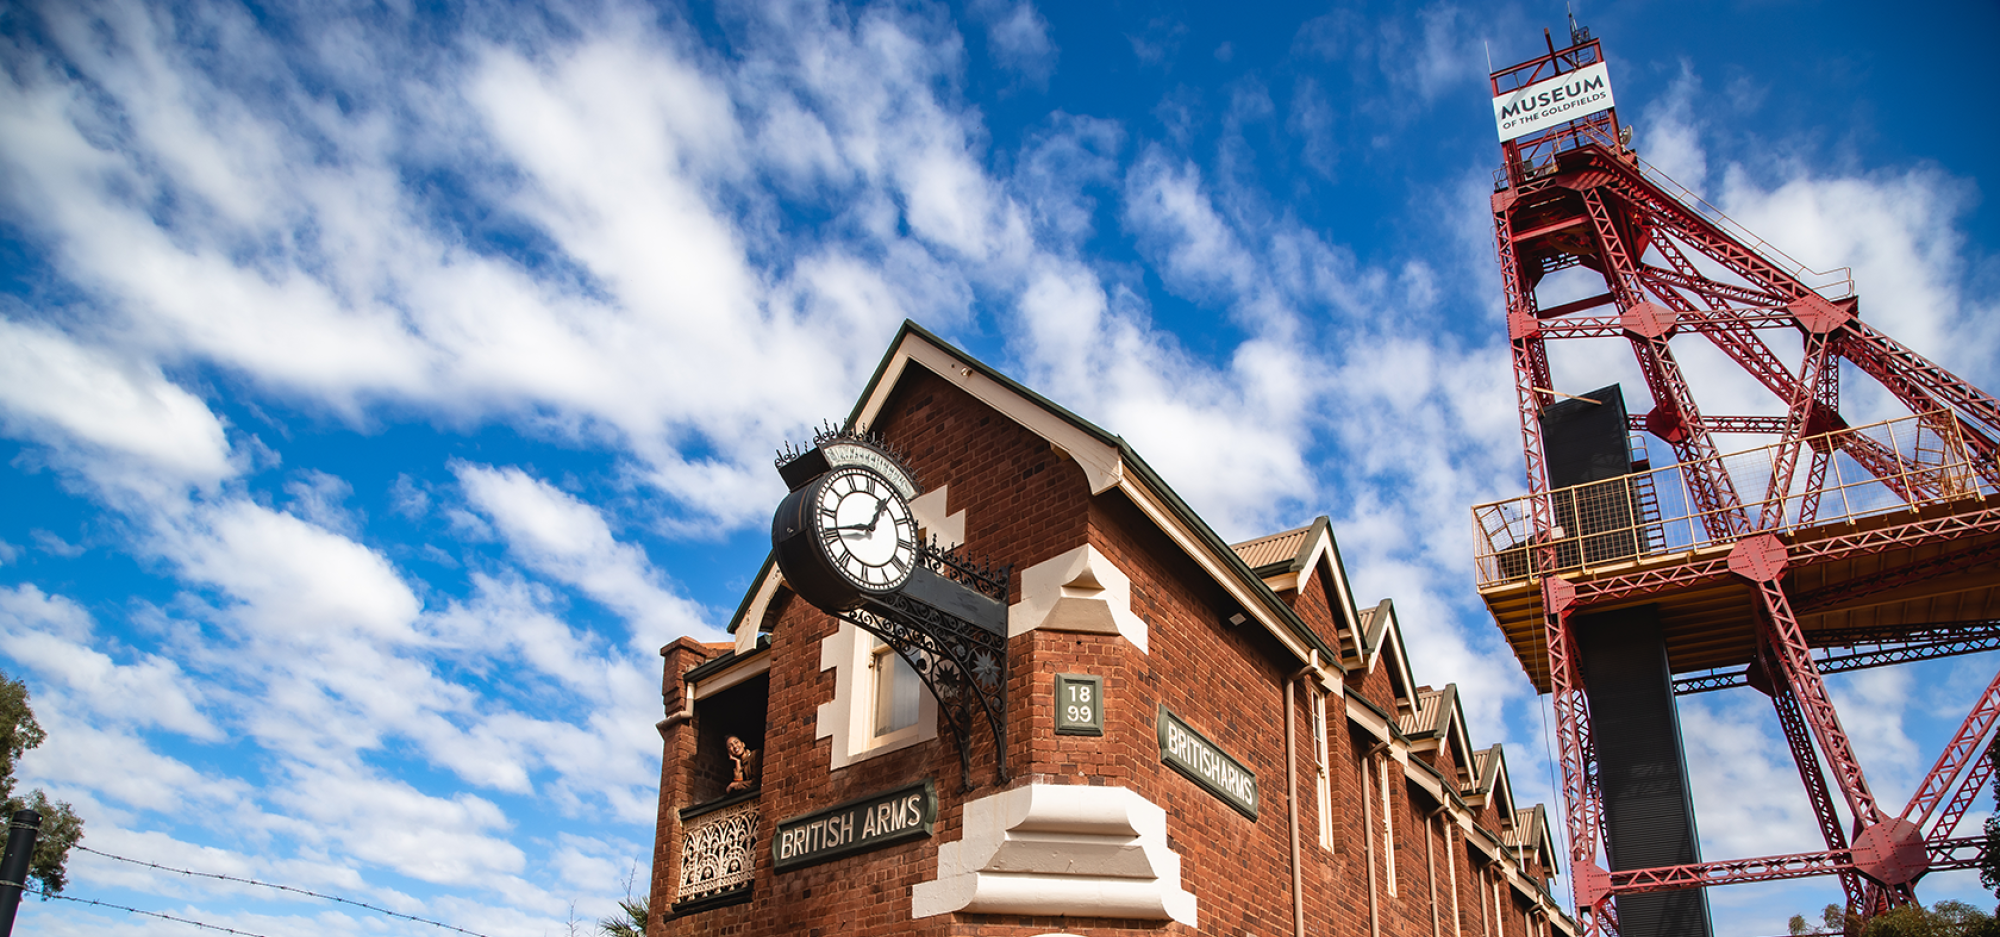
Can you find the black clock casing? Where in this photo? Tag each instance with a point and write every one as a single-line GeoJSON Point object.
{"type": "Point", "coordinates": [843, 537]}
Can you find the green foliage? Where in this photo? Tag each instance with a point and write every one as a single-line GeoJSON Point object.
{"type": "Point", "coordinates": [1989, 864]}
{"type": "Point", "coordinates": [631, 920]}
{"type": "Point", "coordinates": [631, 924]}
{"type": "Point", "coordinates": [1944, 919]}
{"type": "Point", "coordinates": [1832, 920]}
{"type": "Point", "coordinates": [18, 731]}
{"type": "Point", "coordinates": [61, 827]}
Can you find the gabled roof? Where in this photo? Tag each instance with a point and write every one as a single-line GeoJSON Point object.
{"type": "Point", "coordinates": [1490, 781]}
{"type": "Point", "coordinates": [1276, 552]}
{"type": "Point", "coordinates": [1379, 631]}
{"type": "Point", "coordinates": [1427, 713]}
{"type": "Point", "coordinates": [1530, 832]}
{"type": "Point", "coordinates": [1108, 463]}
{"type": "Point", "coordinates": [1287, 559]}
{"type": "Point", "coordinates": [1439, 715]}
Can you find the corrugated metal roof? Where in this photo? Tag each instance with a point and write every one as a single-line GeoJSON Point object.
{"type": "Point", "coordinates": [1281, 547]}
{"type": "Point", "coordinates": [1424, 720]}
{"type": "Point", "coordinates": [1526, 829]}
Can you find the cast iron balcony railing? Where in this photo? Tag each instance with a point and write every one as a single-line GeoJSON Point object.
{"type": "Point", "coordinates": [718, 851]}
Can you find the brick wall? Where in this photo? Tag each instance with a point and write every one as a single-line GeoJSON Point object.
{"type": "Point", "coordinates": [1026, 502]}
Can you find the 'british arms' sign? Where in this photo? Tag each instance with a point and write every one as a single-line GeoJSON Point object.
{"type": "Point", "coordinates": [1192, 754]}
{"type": "Point", "coordinates": [856, 826]}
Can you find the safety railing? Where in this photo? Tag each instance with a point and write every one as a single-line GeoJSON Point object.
{"type": "Point", "coordinates": [1881, 468]}
{"type": "Point", "coordinates": [718, 850]}
{"type": "Point", "coordinates": [1835, 284]}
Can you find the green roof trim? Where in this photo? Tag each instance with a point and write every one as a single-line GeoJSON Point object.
{"type": "Point", "coordinates": [750, 594]}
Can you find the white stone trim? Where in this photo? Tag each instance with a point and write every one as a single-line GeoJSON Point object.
{"type": "Point", "coordinates": [740, 672]}
{"type": "Point", "coordinates": [753, 617]}
{"type": "Point", "coordinates": [848, 718]}
{"type": "Point", "coordinates": [1081, 590]}
{"type": "Point", "coordinates": [929, 511]}
{"type": "Point", "coordinates": [1102, 464]}
{"type": "Point", "coordinates": [1059, 849]}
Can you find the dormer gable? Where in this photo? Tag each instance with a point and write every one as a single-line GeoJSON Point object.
{"type": "Point", "coordinates": [1290, 561]}
{"type": "Point", "coordinates": [1531, 839]}
{"type": "Point", "coordinates": [1490, 784]}
{"type": "Point", "coordinates": [1385, 649]}
{"type": "Point", "coordinates": [1437, 724]}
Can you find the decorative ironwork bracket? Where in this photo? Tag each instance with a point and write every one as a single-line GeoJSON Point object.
{"type": "Point", "coordinates": [950, 623]}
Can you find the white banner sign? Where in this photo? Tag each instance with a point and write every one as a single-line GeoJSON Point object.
{"type": "Point", "coordinates": [1546, 103]}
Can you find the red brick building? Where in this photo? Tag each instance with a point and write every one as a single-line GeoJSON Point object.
{"type": "Point", "coordinates": [1202, 738]}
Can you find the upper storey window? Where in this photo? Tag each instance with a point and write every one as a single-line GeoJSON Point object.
{"type": "Point", "coordinates": [879, 703]}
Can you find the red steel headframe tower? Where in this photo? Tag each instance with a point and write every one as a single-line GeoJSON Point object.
{"type": "Point", "coordinates": [1829, 548]}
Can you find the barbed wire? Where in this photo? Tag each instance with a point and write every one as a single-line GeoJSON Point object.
{"type": "Point", "coordinates": [164, 917]}
{"type": "Point", "coordinates": [251, 881]}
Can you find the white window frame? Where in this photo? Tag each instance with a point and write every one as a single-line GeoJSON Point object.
{"type": "Point", "coordinates": [849, 718]}
{"type": "Point", "coordinates": [1388, 828]}
{"type": "Point", "coordinates": [1320, 759]}
{"type": "Point", "coordinates": [884, 661]}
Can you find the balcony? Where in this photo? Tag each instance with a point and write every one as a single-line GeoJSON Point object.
{"type": "Point", "coordinates": [718, 854]}
{"type": "Point", "coordinates": [1894, 466]}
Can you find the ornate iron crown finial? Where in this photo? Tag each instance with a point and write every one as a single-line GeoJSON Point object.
{"type": "Point", "coordinates": [832, 435]}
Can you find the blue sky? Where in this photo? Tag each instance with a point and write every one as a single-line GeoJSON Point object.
{"type": "Point", "coordinates": [382, 385]}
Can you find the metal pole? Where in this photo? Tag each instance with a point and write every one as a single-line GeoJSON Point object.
{"type": "Point", "coordinates": [14, 868]}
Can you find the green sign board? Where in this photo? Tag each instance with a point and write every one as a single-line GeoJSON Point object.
{"type": "Point", "coordinates": [856, 826]}
{"type": "Point", "coordinates": [1079, 704]}
{"type": "Point", "coordinates": [1192, 754]}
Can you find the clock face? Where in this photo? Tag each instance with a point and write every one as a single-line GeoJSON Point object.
{"type": "Point", "coordinates": [864, 529]}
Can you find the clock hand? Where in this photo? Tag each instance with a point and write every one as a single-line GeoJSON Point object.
{"type": "Point", "coordinates": [881, 507]}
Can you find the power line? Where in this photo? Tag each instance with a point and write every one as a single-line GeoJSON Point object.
{"type": "Point", "coordinates": [252, 881]}
{"type": "Point", "coordinates": [164, 917]}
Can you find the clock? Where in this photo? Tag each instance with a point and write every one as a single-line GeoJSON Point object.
{"type": "Point", "coordinates": [846, 535]}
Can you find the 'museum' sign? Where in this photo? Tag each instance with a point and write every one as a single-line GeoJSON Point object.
{"type": "Point", "coordinates": [855, 826]}
{"type": "Point", "coordinates": [1547, 103]}
{"type": "Point", "coordinates": [1192, 754]}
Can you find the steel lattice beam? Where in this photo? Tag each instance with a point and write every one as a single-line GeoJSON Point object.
{"type": "Point", "coordinates": [1793, 721]}
{"type": "Point", "coordinates": [1838, 546]}
{"type": "Point", "coordinates": [1847, 663]}
{"type": "Point", "coordinates": [1574, 196]}
{"type": "Point", "coordinates": [1961, 853]}
{"type": "Point", "coordinates": [1965, 746]}
{"type": "Point", "coordinates": [1968, 790]}
{"type": "Point", "coordinates": [1761, 560]}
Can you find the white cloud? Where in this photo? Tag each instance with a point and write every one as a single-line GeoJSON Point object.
{"type": "Point", "coordinates": [562, 537]}
{"type": "Point", "coordinates": [1672, 132]}
{"type": "Point", "coordinates": [1747, 792]}
{"type": "Point", "coordinates": [452, 840]}
{"type": "Point", "coordinates": [55, 637]}
{"type": "Point", "coordinates": [1896, 231]}
{"type": "Point", "coordinates": [116, 775]}
{"type": "Point", "coordinates": [135, 428]}
{"type": "Point", "coordinates": [1019, 38]}
{"type": "Point", "coordinates": [1201, 256]}
{"type": "Point", "coordinates": [291, 581]}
